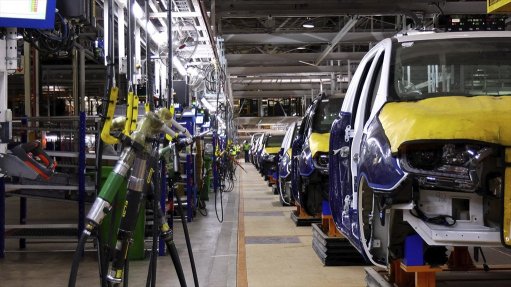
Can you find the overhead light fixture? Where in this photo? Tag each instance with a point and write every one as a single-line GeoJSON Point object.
{"type": "Point", "coordinates": [308, 23]}
{"type": "Point", "coordinates": [138, 12]}
{"type": "Point", "coordinates": [301, 48]}
{"type": "Point", "coordinates": [207, 105]}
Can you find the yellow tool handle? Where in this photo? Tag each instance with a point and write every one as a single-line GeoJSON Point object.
{"type": "Point", "coordinates": [129, 114]}
{"type": "Point", "coordinates": [167, 136]}
{"type": "Point", "coordinates": [105, 132]}
{"type": "Point", "coordinates": [134, 114]}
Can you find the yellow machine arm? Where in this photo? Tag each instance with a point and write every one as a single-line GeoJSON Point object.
{"type": "Point", "coordinates": [105, 132]}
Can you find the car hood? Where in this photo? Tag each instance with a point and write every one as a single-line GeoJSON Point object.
{"type": "Point", "coordinates": [479, 118]}
{"type": "Point", "coordinates": [270, 150]}
{"type": "Point", "coordinates": [319, 142]}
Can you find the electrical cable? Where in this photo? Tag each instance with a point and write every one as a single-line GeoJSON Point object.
{"type": "Point", "coordinates": [437, 220]}
{"type": "Point", "coordinates": [126, 277]}
{"type": "Point", "coordinates": [187, 239]}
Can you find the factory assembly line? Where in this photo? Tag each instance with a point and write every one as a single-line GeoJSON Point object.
{"type": "Point", "coordinates": [298, 143]}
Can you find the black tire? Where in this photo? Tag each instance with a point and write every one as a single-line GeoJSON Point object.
{"type": "Point", "coordinates": [311, 199]}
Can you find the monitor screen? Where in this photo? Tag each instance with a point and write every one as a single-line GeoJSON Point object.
{"type": "Point", "coordinates": [37, 14]}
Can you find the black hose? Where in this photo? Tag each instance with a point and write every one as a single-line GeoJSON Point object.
{"type": "Point", "coordinates": [156, 231]}
{"type": "Point", "coordinates": [187, 239]}
{"type": "Point", "coordinates": [220, 219]}
{"type": "Point", "coordinates": [177, 263]}
{"type": "Point", "coordinates": [149, 280]}
{"type": "Point", "coordinates": [126, 273]}
{"type": "Point", "coordinates": [76, 259]}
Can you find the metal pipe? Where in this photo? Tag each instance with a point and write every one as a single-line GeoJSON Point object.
{"type": "Point", "coordinates": [170, 84]}
{"type": "Point", "coordinates": [131, 42]}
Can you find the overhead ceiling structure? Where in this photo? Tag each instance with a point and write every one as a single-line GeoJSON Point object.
{"type": "Point", "coordinates": [271, 55]}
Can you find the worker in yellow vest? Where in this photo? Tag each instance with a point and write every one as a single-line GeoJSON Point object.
{"type": "Point", "coordinates": [246, 148]}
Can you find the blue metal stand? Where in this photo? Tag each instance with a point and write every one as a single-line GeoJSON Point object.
{"type": "Point", "coordinates": [163, 201]}
{"type": "Point", "coordinates": [81, 175]}
{"type": "Point", "coordinates": [188, 122]}
{"type": "Point", "coordinates": [23, 220]}
{"type": "Point", "coordinates": [190, 194]}
{"type": "Point", "coordinates": [23, 200]}
{"type": "Point", "coordinates": [2, 217]}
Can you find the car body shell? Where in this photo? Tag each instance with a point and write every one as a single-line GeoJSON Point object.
{"type": "Point", "coordinates": [360, 149]}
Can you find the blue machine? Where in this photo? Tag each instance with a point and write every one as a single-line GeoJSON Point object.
{"type": "Point", "coordinates": [189, 122]}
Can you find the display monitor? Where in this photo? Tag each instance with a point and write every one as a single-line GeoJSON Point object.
{"type": "Point", "coordinates": [36, 14]}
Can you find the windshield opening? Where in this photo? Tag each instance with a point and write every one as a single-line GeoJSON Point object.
{"type": "Point", "coordinates": [325, 114]}
{"type": "Point", "coordinates": [451, 67]}
{"type": "Point", "coordinates": [274, 141]}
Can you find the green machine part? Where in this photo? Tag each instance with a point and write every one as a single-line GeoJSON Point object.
{"type": "Point", "coordinates": [204, 192]}
{"type": "Point", "coordinates": [136, 251]}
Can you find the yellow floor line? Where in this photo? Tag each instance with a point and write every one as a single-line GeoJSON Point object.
{"type": "Point", "coordinates": [241, 272]}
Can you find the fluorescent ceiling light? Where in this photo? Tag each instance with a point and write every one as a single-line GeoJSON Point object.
{"type": "Point", "coordinates": [137, 11]}
{"type": "Point", "coordinates": [308, 24]}
{"type": "Point", "coordinates": [179, 66]}
{"type": "Point", "coordinates": [301, 48]}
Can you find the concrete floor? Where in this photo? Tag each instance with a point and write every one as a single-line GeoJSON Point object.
{"type": "Point", "coordinates": [48, 264]}
{"type": "Point", "coordinates": [256, 245]}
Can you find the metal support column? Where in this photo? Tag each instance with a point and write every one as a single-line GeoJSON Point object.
{"type": "Point", "coordinates": [8, 63]}
{"type": "Point", "coordinates": [80, 102]}
{"type": "Point", "coordinates": [81, 175]}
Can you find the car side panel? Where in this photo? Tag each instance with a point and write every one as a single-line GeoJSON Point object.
{"type": "Point", "coordinates": [376, 163]}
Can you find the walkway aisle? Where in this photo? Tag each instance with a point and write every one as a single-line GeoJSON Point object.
{"type": "Point", "coordinates": [277, 252]}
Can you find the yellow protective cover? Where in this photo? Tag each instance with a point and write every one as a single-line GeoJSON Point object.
{"type": "Point", "coordinates": [319, 142]}
{"type": "Point", "coordinates": [480, 118]}
{"type": "Point", "coordinates": [270, 150]}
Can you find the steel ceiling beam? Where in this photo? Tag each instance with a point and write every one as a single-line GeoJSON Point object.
{"type": "Point", "coordinates": [277, 86]}
{"type": "Point", "coordinates": [318, 8]}
{"type": "Point", "coordinates": [235, 60]}
{"type": "Point", "coordinates": [271, 94]}
{"type": "Point", "coordinates": [302, 38]}
{"type": "Point", "coordinates": [344, 31]}
{"type": "Point", "coordinates": [305, 69]}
